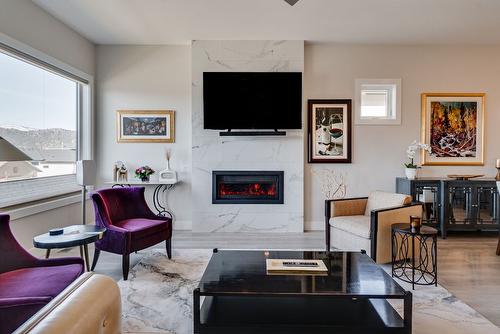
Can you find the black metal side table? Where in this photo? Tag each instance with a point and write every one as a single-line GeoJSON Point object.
{"type": "Point", "coordinates": [74, 235]}
{"type": "Point", "coordinates": [414, 254]}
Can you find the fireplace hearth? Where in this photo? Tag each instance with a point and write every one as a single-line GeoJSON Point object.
{"type": "Point", "coordinates": [247, 187]}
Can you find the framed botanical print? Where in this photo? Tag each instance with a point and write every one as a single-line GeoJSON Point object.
{"type": "Point", "coordinates": [453, 126]}
{"type": "Point", "coordinates": [329, 131]}
{"type": "Point", "coordinates": [145, 126]}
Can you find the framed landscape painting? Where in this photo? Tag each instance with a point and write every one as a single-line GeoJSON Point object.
{"type": "Point", "coordinates": [453, 126]}
{"type": "Point", "coordinates": [329, 131]}
{"type": "Point", "coordinates": [145, 126]}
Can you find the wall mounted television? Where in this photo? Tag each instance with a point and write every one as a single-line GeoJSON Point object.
{"type": "Point", "coordinates": [252, 100]}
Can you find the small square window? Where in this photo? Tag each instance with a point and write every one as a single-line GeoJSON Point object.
{"type": "Point", "coordinates": [378, 101]}
{"type": "Point", "coordinates": [375, 103]}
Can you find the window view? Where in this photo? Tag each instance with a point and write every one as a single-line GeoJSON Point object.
{"type": "Point", "coordinates": [378, 101]}
{"type": "Point", "coordinates": [38, 115]}
{"type": "Point", "coordinates": [375, 103]}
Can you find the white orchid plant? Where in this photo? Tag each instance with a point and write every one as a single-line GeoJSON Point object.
{"type": "Point", "coordinates": [412, 151]}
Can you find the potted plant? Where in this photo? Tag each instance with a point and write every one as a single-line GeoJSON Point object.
{"type": "Point", "coordinates": [411, 167]}
{"type": "Point", "coordinates": [143, 173]}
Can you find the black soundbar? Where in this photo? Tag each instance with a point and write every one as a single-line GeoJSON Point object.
{"type": "Point", "coordinates": [252, 133]}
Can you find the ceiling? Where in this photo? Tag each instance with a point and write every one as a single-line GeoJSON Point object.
{"type": "Point", "coordinates": [341, 21]}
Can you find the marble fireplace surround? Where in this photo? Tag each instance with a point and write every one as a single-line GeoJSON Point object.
{"type": "Point", "coordinates": [211, 152]}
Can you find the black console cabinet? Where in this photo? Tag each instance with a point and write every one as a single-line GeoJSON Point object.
{"type": "Point", "coordinates": [455, 205]}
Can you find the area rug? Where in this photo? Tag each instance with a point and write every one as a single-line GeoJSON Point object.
{"type": "Point", "coordinates": [157, 298]}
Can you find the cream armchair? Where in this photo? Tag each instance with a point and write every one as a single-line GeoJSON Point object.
{"type": "Point", "coordinates": [91, 304]}
{"type": "Point", "coordinates": [365, 223]}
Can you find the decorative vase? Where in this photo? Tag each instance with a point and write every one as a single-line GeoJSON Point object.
{"type": "Point", "coordinates": [411, 173]}
{"type": "Point", "coordinates": [145, 179]}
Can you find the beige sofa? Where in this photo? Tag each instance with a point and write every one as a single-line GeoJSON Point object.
{"type": "Point", "coordinates": [365, 223]}
{"type": "Point", "coordinates": [91, 304]}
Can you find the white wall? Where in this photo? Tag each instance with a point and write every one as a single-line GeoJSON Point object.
{"type": "Point", "coordinates": [29, 24]}
{"type": "Point", "coordinates": [379, 151]}
{"type": "Point", "coordinates": [146, 77]}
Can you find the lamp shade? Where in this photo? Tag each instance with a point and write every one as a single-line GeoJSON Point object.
{"type": "Point", "coordinates": [9, 152]}
{"type": "Point", "coordinates": [85, 172]}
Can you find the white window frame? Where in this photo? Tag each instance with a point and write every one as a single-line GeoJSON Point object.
{"type": "Point", "coordinates": [85, 121]}
{"type": "Point", "coordinates": [393, 86]}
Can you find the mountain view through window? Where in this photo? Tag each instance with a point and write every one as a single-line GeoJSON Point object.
{"type": "Point", "coordinates": [38, 115]}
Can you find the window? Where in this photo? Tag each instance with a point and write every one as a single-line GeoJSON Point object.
{"type": "Point", "coordinates": [43, 110]}
{"type": "Point", "coordinates": [378, 101]}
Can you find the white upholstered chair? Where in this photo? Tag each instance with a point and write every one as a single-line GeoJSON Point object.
{"type": "Point", "coordinates": [365, 223]}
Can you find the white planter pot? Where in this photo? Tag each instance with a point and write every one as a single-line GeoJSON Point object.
{"type": "Point", "coordinates": [411, 173]}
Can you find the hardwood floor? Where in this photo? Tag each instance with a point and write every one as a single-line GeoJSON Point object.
{"type": "Point", "coordinates": [469, 268]}
{"type": "Point", "coordinates": [467, 264]}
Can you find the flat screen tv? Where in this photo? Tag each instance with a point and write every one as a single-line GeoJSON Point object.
{"type": "Point", "coordinates": [252, 100]}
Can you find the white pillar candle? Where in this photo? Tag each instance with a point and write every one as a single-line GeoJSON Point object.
{"type": "Point", "coordinates": [498, 163]}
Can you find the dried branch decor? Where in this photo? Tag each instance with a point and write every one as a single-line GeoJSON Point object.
{"type": "Point", "coordinates": [333, 184]}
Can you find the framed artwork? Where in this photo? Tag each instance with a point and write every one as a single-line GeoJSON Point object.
{"type": "Point", "coordinates": [329, 131]}
{"type": "Point", "coordinates": [453, 126]}
{"type": "Point", "coordinates": [145, 126]}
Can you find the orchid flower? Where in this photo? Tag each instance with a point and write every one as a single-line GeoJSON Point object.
{"type": "Point", "coordinates": [412, 150]}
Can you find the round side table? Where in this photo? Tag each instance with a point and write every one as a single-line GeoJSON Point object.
{"type": "Point", "coordinates": [74, 235]}
{"type": "Point", "coordinates": [414, 254]}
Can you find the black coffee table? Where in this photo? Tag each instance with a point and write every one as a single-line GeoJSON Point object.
{"type": "Point", "coordinates": [74, 235]}
{"type": "Point", "coordinates": [236, 295]}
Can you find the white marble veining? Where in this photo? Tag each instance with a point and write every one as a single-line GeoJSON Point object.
{"type": "Point", "coordinates": [212, 152]}
{"type": "Point", "coordinates": [157, 298]}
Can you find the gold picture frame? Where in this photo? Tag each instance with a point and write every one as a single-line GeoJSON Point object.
{"type": "Point", "coordinates": [145, 126]}
{"type": "Point", "coordinates": [453, 125]}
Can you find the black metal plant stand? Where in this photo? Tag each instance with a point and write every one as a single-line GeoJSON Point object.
{"type": "Point", "coordinates": [414, 254]}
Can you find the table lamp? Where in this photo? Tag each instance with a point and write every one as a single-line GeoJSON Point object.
{"type": "Point", "coordinates": [85, 176]}
{"type": "Point", "coordinates": [9, 152]}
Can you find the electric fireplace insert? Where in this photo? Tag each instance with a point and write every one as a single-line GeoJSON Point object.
{"type": "Point", "coordinates": [247, 187]}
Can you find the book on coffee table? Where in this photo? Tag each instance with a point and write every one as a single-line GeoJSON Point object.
{"type": "Point", "coordinates": [298, 266]}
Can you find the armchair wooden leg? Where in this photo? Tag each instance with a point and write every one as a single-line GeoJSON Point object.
{"type": "Point", "coordinates": [168, 244]}
{"type": "Point", "coordinates": [125, 265]}
{"type": "Point", "coordinates": [97, 252]}
{"type": "Point", "coordinates": [498, 247]}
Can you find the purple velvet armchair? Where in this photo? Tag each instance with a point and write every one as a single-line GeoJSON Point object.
{"type": "Point", "coordinates": [130, 224]}
{"type": "Point", "coordinates": [28, 283]}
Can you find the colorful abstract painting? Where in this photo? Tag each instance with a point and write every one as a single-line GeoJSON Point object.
{"type": "Point", "coordinates": [453, 128]}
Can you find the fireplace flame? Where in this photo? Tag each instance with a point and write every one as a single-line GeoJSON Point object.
{"type": "Point", "coordinates": [247, 190]}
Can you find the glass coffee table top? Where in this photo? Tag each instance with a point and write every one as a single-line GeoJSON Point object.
{"type": "Point", "coordinates": [235, 272]}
